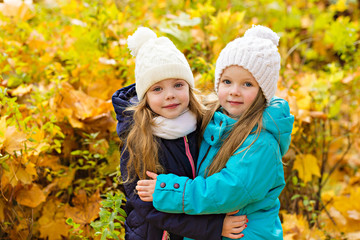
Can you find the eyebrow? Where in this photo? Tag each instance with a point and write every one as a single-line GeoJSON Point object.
{"type": "Point", "coordinates": [244, 79]}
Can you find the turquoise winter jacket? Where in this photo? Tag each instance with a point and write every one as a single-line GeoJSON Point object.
{"type": "Point", "coordinates": [251, 181]}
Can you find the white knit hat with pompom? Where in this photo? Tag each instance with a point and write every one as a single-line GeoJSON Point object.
{"type": "Point", "coordinates": [157, 59]}
{"type": "Point", "coordinates": [257, 52]}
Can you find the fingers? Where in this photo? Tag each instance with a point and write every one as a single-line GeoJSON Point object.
{"type": "Point", "coordinates": [238, 230]}
{"type": "Point", "coordinates": [232, 213]}
{"type": "Point", "coordinates": [146, 199]}
{"type": "Point", "coordinates": [144, 182]}
{"type": "Point", "coordinates": [238, 224]}
{"type": "Point", "coordinates": [142, 188]}
{"type": "Point", "coordinates": [235, 236]}
{"type": "Point", "coordinates": [145, 196]}
{"type": "Point", "coordinates": [151, 175]}
{"type": "Point", "coordinates": [238, 218]}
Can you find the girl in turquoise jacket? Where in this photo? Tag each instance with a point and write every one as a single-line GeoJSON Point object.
{"type": "Point", "coordinates": [247, 132]}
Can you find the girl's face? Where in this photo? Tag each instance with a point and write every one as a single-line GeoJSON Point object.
{"type": "Point", "coordinates": [169, 98]}
{"type": "Point", "coordinates": [237, 90]}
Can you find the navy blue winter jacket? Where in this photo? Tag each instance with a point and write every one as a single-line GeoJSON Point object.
{"type": "Point", "coordinates": [144, 222]}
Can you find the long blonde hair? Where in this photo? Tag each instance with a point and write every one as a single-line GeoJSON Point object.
{"type": "Point", "coordinates": [142, 145]}
{"type": "Point", "coordinates": [239, 132]}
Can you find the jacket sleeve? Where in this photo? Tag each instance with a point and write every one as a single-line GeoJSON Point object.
{"type": "Point", "coordinates": [202, 227]}
{"type": "Point", "coordinates": [247, 177]}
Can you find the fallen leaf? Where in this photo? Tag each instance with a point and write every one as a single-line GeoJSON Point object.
{"type": "Point", "coordinates": [17, 173]}
{"type": "Point", "coordinates": [86, 209]}
{"type": "Point", "coordinates": [22, 90]}
{"type": "Point", "coordinates": [50, 161]}
{"type": "Point", "coordinates": [66, 180]}
{"type": "Point", "coordinates": [52, 222]}
{"type": "Point", "coordinates": [31, 196]}
{"type": "Point", "coordinates": [17, 10]}
{"type": "Point", "coordinates": [11, 140]}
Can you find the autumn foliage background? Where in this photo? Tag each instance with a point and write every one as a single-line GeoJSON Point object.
{"type": "Point", "coordinates": [61, 60]}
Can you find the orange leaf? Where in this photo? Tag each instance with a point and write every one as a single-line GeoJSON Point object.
{"type": "Point", "coordinates": [31, 196]}
{"type": "Point", "coordinates": [17, 173]}
{"type": "Point", "coordinates": [54, 230]}
{"type": "Point", "coordinates": [11, 139]}
{"type": "Point", "coordinates": [82, 110]}
{"type": "Point", "coordinates": [52, 222]}
{"type": "Point", "coordinates": [50, 161]}
{"type": "Point", "coordinates": [86, 209]}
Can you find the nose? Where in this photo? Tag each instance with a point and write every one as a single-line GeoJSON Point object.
{"type": "Point", "coordinates": [235, 90]}
{"type": "Point", "coordinates": [169, 94]}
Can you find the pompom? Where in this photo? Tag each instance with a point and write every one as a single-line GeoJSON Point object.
{"type": "Point", "coordinates": [262, 32]}
{"type": "Point", "coordinates": [141, 35]}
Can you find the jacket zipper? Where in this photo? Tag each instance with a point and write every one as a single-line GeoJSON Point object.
{"type": "Point", "coordinates": [165, 236]}
{"type": "Point", "coordinates": [188, 154]}
{"type": "Point", "coordinates": [191, 160]}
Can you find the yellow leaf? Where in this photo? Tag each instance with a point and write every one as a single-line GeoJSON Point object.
{"type": "Point", "coordinates": [38, 145]}
{"type": "Point", "coordinates": [86, 208]}
{"type": "Point", "coordinates": [113, 163]}
{"type": "Point", "coordinates": [296, 227]}
{"type": "Point", "coordinates": [54, 230]}
{"type": "Point", "coordinates": [50, 161]}
{"type": "Point", "coordinates": [341, 5]}
{"type": "Point", "coordinates": [306, 165]}
{"type": "Point", "coordinates": [344, 211]}
{"type": "Point", "coordinates": [31, 196]}
{"type": "Point", "coordinates": [52, 222]}
{"type": "Point", "coordinates": [12, 140]}
{"type": "Point", "coordinates": [17, 10]}
{"type": "Point", "coordinates": [82, 110]}
{"type": "Point", "coordinates": [64, 182]}
{"type": "Point", "coordinates": [31, 169]}
{"type": "Point", "coordinates": [225, 27]}
{"type": "Point", "coordinates": [17, 173]}
{"type": "Point", "coordinates": [353, 235]}
{"type": "Point", "coordinates": [22, 90]}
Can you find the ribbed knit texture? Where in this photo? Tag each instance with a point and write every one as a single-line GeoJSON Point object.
{"type": "Point", "coordinates": [157, 59]}
{"type": "Point", "coordinates": [257, 52]}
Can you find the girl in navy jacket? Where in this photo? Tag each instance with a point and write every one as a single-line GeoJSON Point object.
{"type": "Point", "coordinates": [158, 120]}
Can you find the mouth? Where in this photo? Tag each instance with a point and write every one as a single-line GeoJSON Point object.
{"type": "Point", "coordinates": [235, 102]}
{"type": "Point", "coordinates": [171, 106]}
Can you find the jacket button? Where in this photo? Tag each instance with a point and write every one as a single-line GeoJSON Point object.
{"type": "Point", "coordinates": [212, 138]}
{"type": "Point", "coordinates": [162, 185]}
{"type": "Point", "coordinates": [176, 185]}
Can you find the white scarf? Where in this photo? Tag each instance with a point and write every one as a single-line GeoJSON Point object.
{"type": "Point", "coordinates": [175, 128]}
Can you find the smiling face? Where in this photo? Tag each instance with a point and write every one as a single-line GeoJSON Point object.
{"type": "Point", "coordinates": [237, 90]}
{"type": "Point", "coordinates": [169, 98]}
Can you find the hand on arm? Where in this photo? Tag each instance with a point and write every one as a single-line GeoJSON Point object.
{"type": "Point", "coordinates": [234, 225]}
{"type": "Point", "coordinates": [146, 188]}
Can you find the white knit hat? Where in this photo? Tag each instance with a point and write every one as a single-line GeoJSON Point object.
{"type": "Point", "coordinates": [257, 52]}
{"type": "Point", "coordinates": [157, 59]}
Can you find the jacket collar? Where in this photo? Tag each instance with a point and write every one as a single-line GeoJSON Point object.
{"type": "Point", "coordinates": [218, 128]}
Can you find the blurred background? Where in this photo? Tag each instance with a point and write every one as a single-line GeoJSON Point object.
{"type": "Point", "coordinates": [61, 60]}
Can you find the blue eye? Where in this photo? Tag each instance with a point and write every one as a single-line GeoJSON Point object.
{"type": "Point", "coordinates": [157, 89]}
{"type": "Point", "coordinates": [226, 81]}
{"type": "Point", "coordinates": [248, 84]}
{"type": "Point", "coordinates": [177, 85]}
